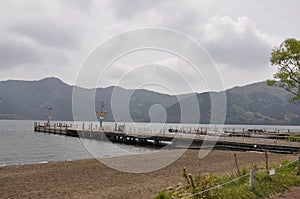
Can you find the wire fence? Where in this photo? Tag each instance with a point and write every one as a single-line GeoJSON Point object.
{"type": "Point", "coordinates": [233, 180]}
{"type": "Point", "coordinates": [215, 187]}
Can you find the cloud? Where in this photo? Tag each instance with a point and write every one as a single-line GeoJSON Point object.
{"type": "Point", "coordinates": [58, 35]}
{"type": "Point", "coordinates": [154, 70]}
{"type": "Point", "coordinates": [127, 9]}
{"type": "Point", "coordinates": [178, 15]}
{"type": "Point", "coordinates": [49, 34]}
{"type": "Point", "coordinates": [13, 53]}
{"type": "Point", "coordinates": [237, 43]}
{"type": "Point", "coordinates": [232, 42]}
{"type": "Point", "coordinates": [82, 5]}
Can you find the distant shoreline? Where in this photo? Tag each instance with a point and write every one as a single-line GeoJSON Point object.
{"type": "Point", "coordinates": [229, 124]}
{"type": "Point", "coordinates": [204, 124]}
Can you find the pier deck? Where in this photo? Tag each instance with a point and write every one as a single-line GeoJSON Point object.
{"type": "Point", "coordinates": [177, 140]}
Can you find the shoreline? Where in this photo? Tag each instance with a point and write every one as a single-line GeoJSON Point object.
{"type": "Point", "coordinates": [4, 165]}
{"type": "Point", "coordinates": [91, 178]}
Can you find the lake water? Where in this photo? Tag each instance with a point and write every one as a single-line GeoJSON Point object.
{"type": "Point", "coordinates": [19, 144]}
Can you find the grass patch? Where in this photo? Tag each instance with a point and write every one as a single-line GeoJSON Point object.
{"type": "Point", "coordinates": [234, 186]}
{"type": "Point", "coordinates": [294, 137]}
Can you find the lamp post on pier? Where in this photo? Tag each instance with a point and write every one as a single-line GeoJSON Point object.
{"type": "Point", "coordinates": [48, 114]}
{"type": "Point", "coordinates": [100, 114]}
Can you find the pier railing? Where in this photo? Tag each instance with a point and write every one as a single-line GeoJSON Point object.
{"type": "Point", "coordinates": [278, 142]}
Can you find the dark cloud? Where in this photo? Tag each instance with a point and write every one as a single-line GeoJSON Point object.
{"type": "Point", "coordinates": [13, 53]}
{"type": "Point", "coordinates": [49, 34]}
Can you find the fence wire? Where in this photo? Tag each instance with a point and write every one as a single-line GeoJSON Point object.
{"type": "Point", "coordinates": [233, 180]}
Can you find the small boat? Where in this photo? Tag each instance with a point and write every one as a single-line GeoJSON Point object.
{"type": "Point", "coordinates": [218, 133]}
{"type": "Point", "coordinates": [262, 135]}
{"type": "Point", "coordinates": [171, 130]}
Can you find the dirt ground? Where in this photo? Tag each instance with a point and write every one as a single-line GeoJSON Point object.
{"type": "Point", "coordinates": [93, 179]}
{"type": "Point", "coordinates": [293, 193]}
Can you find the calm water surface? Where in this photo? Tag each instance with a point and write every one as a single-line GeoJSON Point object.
{"type": "Point", "coordinates": [19, 144]}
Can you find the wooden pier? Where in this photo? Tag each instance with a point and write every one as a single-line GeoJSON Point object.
{"type": "Point", "coordinates": [175, 140]}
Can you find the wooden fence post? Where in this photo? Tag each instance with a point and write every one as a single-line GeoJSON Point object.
{"type": "Point", "coordinates": [251, 179]}
{"type": "Point", "coordinates": [192, 181]}
{"type": "Point", "coordinates": [267, 162]}
{"type": "Point", "coordinates": [299, 166]}
{"type": "Point", "coordinates": [236, 164]}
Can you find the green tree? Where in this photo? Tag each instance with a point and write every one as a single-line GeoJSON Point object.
{"type": "Point", "coordinates": [287, 59]}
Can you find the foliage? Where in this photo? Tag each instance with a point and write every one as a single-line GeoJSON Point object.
{"type": "Point", "coordinates": [234, 186]}
{"type": "Point", "coordinates": [287, 58]}
{"type": "Point", "coordinates": [161, 195]}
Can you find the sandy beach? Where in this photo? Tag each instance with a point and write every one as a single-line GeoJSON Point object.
{"type": "Point", "coordinates": [93, 179]}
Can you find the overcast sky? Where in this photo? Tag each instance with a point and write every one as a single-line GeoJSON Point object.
{"type": "Point", "coordinates": [40, 38]}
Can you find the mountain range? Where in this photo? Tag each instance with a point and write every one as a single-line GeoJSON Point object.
{"type": "Point", "coordinates": [252, 104]}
